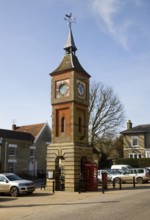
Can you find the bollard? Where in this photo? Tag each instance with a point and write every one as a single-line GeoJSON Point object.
{"type": "Point", "coordinates": [102, 186]}
{"type": "Point", "coordinates": [120, 183]}
{"type": "Point", "coordinates": [114, 183]}
{"type": "Point", "coordinates": [134, 182]}
{"type": "Point", "coordinates": [104, 180]}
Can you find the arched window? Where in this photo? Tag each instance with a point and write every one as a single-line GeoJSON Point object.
{"type": "Point", "coordinates": [80, 124]}
{"type": "Point", "coordinates": [63, 124]}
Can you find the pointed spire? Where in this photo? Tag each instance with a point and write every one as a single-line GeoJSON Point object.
{"type": "Point", "coordinates": [70, 60]}
{"type": "Point", "coordinates": [70, 46]}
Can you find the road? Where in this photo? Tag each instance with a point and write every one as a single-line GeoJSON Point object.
{"type": "Point", "coordinates": [125, 204]}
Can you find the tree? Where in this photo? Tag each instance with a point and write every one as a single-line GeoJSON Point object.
{"type": "Point", "coordinates": [106, 115]}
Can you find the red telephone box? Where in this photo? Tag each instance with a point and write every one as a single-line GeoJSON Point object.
{"type": "Point", "coordinates": [90, 176]}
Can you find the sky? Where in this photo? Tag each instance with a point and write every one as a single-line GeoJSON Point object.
{"type": "Point", "coordinates": [113, 42]}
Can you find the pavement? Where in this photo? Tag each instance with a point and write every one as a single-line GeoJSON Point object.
{"type": "Point", "coordinates": [14, 208]}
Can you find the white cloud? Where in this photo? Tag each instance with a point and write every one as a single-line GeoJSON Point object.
{"type": "Point", "coordinates": [114, 19]}
{"type": "Point", "coordinates": [138, 2]}
{"type": "Point", "coordinates": [107, 9]}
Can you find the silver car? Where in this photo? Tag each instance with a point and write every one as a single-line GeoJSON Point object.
{"type": "Point", "coordinates": [15, 185]}
{"type": "Point", "coordinates": [141, 175]}
{"type": "Point", "coordinates": [110, 173]}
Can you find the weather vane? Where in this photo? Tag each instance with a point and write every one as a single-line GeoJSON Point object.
{"type": "Point", "coordinates": [69, 19]}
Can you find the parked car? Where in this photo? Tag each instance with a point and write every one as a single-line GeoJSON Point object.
{"type": "Point", "coordinates": [114, 171]}
{"type": "Point", "coordinates": [109, 172]}
{"type": "Point", "coordinates": [14, 185]}
{"type": "Point", "coordinates": [141, 175]}
{"type": "Point", "coordinates": [121, 166]}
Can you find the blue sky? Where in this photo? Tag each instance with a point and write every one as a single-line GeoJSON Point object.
{"type": "Point", "coordinates": [113, 41]}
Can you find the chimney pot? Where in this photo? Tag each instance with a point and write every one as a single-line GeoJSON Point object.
{"type": "Point", "coordinates": [14, 127]}
{"type": "Point", "coordinates": [129, 124]}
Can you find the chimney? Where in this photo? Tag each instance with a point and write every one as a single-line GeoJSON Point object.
{"type": "Point", "coordinates": [129, 124]}
{"type": "Point", "coordinates": [14, 127]}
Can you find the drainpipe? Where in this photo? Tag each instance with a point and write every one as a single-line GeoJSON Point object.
{"type": "Point", "coordinates": [5, 164]}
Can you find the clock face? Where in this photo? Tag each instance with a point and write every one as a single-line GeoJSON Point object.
{"type": "Point", "coordinates": [81, 89]}
{"type": "Point", "coordinates": [63, 89]}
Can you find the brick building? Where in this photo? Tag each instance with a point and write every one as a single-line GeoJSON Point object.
{"type": "Point", "coordinates": [136, 141]}
{"type": "Point", "coordinates": [23, 149]}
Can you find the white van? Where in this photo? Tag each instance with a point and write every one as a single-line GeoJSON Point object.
{"type": "Point", "coordinates": [121, 166]}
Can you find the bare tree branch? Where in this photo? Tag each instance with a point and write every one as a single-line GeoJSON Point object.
{"type": "Point", "coordinates": [106, 113]}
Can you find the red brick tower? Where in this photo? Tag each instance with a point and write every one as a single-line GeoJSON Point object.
{"type": "Point", "coordinates": [70, 100]}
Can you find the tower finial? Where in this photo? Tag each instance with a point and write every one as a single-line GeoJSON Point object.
{"type": "Point", "coordinates": [69, 19]}
{"type": "Point", "coordinates": [70, 45]}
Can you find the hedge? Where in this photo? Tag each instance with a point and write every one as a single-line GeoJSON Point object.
{"type": "Point", "coordinates": [137, 163]}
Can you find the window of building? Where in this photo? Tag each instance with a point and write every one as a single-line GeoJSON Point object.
{"type": "Point", "coordinates": [63, 124]}
{"type": "Point", "coordinates": [11, 167]}
{"type": "Point", "coordinates": [135, 155]}
{"type": "Point", "coordinates": [80, 125]}
{"type": "Point", "coordinates": [32, 151]}
{"type": "Point", "coordinates": [12, 151]}
{"type": "Point", "coordinates": [135, 141]}
{"type": "Point", "coordinates": [147, 153]}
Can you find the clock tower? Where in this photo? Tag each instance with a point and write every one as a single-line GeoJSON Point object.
{"type": "Point", "coordinates": [70, 100]}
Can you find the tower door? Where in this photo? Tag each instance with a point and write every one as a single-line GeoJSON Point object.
{"type": "Point", "coordinates": [60, 173]}
{"type": "Point", "coordinates": [33, 167]}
